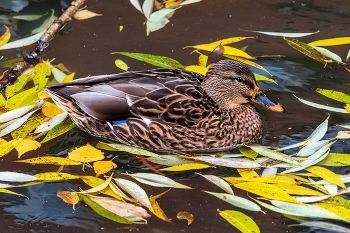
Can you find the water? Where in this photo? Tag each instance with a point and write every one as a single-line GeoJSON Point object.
{"type": "Point", "coordinates": [85, 47]}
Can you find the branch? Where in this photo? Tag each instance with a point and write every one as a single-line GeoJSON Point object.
{"type": "Point", "coordinates": [33, 57]}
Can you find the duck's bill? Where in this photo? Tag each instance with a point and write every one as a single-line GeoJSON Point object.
{"type": "Point", "coordinates": [262, 99]}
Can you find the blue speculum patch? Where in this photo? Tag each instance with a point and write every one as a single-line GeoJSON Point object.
{"type": "Point", "coordinates": [118, 122]}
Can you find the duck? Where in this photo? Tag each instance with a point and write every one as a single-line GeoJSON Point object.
{"type": "Point", "coordinates": [169, 109]}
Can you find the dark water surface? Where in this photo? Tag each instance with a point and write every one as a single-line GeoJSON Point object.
{"type": "Point", "coordinates": [85, 47]}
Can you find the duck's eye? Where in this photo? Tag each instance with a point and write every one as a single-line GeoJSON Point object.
{"type": "Point", "coordinates": [239, 79]}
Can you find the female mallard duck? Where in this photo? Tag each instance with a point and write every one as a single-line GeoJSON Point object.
{"type": "Point", "coordinates": [168, 108]}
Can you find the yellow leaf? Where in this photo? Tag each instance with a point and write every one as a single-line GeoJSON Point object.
{"type": "Point", "coordinates": [247, 152]}
{"type": "Point", "coordinates": [157, 211]}
{"type": "Point", "coordinates": [228, 50]}
{"type": "Point", "coordinates": [197, 69]}
{"type": "Point", "coordinates": [229, 40]}
{"type": "Point", "coordinates": [265, 179]}
{"type": "Point", "coordinates": [50, 160]}
{"type": "Point", "coordinates": [121, 28]}
{"type": "Point", "coordinates": [335, 159]}
{"type": "Point", "coordinates": [69, 197]}
{"type": "Point", "coordinates": [5, 37]}
{"type": "Point", "coordinates": [41, 70]}
{"type": "Point", "coordinates": [22, 80]}
{"type": "Point", "coordinates": [86, 154]}
{"type": "Point", "coordinates": [17, 100]}
{"type": "Point", "coordinates": [63, 68]}
{"type": "Point", "coordinates": [297, 189]}
{"type": "Point", "coordinates": [247, 173]}
{"type": "Point", "coordinates": [121, 65]}
{"type": "Point", "coordinates": [59, 129]}
{"type": "Point", "coordinates": [85, 14]}
{"type": "Point", "coordinates": [9, 146]}
{"type": "Point", "coordinates": [246, 61]}
{"type": "Point", "coordinates": [2, 141]}
{"type": "Point", "coordinates": [43, 95]}
{"type": "Point", "coordinates": [171, 3]}
{"type": "Point", "coordinates": [239, 220]}
{"type": "Point", "coordinates": [326, 174]}
{"type": "Point", "coordinates": [94, 181]}
{"type": "Point", "coordinates": [10, 192]}
{"type": "Point", "coordinates": [55, 176]}
{"type": "Point", "coordinates": [103, 146]}
{"type": "Point", "coordinates": [68, 78]}
{"type": "Point", "coordinates": [102, 167]}
{"type": "Point", "coordinates": [11, 62]}
{"type": "Point", "coordinates": [50, 110]}
{"type": "Point", "coordinates": [266, 190]}
{"type": "Point", "coordinates": [185, 215]}
{"type": "Point", "coordinates": [338, 210]}
{"type": "Point", "coordinates": [186, 166]}
{"type": "Point", "coordinates": [331, 42]}
{"type": "Point", "coordinates": [27, 145]}
{"type": "Point", "coordinates": [260, 77]}
{"type": "Point", "coordinates": [202, 60]}
{"type": "Point", "coordinates": [2, 98]}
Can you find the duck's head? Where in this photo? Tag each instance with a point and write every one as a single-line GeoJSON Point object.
{"type": "Point", "coordinates": [231, 83]}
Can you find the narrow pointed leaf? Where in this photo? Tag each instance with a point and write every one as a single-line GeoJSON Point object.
{"type": "Point", "coordinates": [335, 159]}
{"type": "Point", "coordinates": [219, 182]}
{"type": "Point", "coordinates": [50, 160]}
{"type": "Point", "coordinates": [331, 42]}
{"type": "Point", "coordinates": [48, 125]}
{"type": "Point", "coordinates": [147, 7]}
{"type": "Point", "coordinates": [329, 54]}
{"type": "Point", "coordinates": [153, 59]}
{"type": "Point", "coordinates": [16, 177]}
{"type": "Point", "coordinates": [157, 211]}
{"type": "Point", "coordinates": [326, 174]}
{"type": "Point", "coordinates": [186, 167]}
{"type": "Point", "coordinates": [241, 221]}
{"type": "Point", "coordinates": [284, 34]}
{"type": "Point", "coordinates": [227, 162]}
{"type": "Point", "coordinates": [136, 4]}
{"type": "Point", "coordinates": [157, 180]}
{"type": "Point", "coordinates": [99, 187]}
{"type": "Point", "coordinates": [324, 225]}
{"type": "Point", "coordinates": [59, 129]}
{"type": "Point", "coordinates": [159, 19]}
{"type": "Point", "coordinates": [5, 37]}
{"type": "Point", "coordinates": [336, 95]}
{"type": "Point", "coordinates": [274, 155]}
{"type": "Point", "coordinates": [236, 201]}
{"type": "Point", "coordinates": [55, 176]}
{"type": "Point", "coordinates": [315, 105]}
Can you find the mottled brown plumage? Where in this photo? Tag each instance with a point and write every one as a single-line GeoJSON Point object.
{"type": "Point", "coordinates": [169, 109]}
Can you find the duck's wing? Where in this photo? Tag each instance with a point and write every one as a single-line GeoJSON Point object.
{"type": "Point", "coordinates": [169, 95]}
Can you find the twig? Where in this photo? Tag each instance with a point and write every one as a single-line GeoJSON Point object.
{"type": "Point", "coordinates": [33, 57]}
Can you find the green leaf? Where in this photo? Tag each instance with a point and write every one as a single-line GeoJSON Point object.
{"type": "Point", "coordinates": [102, 211]}
{"type": "Point", "coordinates": [22, 80]}
{"type": "Point", "coordinates": [307, 50]}
{"type": "Point", "coordinates": [131, 149]}
{"type": "Point", "coordinates": [153, 59]}
{"type": "Point", "coordinates": [335, 159]}
{"type": "Point", "coordinates": [336, 95]}
{"type": "Point", "coordinates": [59, 129]}
{"type": "Point", "coordinates": [41, 70]}
{"type": "Point", "coordinates": [274, 155]}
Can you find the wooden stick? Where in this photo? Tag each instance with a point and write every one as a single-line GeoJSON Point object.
{"type": "Point", "coordinates": [33, 58]}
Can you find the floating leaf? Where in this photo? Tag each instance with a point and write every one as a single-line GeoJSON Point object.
{"type": "Point", "coordinates": [202, 60]}
{"type": "Point", "coordinates": [307, 50]}
{"type": "Point", "coordinates": [50, 160]}
{"type": "Point", "coordinates": [248, 152]}
{"type": "Point", "coordinates": [102, 167]}
{"type": "Point", "coordinates": [158, 19]}
{"type": "Point", "coordinates": [272, 179]}
{"type": "Point", "coordinates": [274, 155]}
{"type": "Point", "coordinates": [198, 69]}
{"type": "Point", "coordinates": [55, 176]}
{"type": "Point", "coordinates": [343, 135]}
{"type": "Point", "coordinates": [260, 77]}
{"type": "Point", "coordinates": [147, 8]}
{"type": "Point", "coordinates": [185, 167]}
{"type": "Point", "coordinates": [219, 182]}
{"type": "Point", "coordinates": [236, 201]}
{"type": "Point", "coordinates": [85, 14]}
{"type": "Point", "coordinates": [336, 95]}
{"type": "Point", "coordinates": [28, 17]}
{"type": "Point", "coordinates": [297, 189]}
{"type": "Point", "coordinates": [248, 62]}
{"type": "Point", "coordinates": [135, 191]}
{"type": "Point", "coordinates": [284, 34]}
{"type": "Point", "coordinates": [9, 146]}
{"type": "Point", "coordinates": [132, 150]}
{"type": "Point", "coordinates": [329, 54]}
{"type": "Point", "coordinates": [23, 42]}
{"type": "Point", "coordinates": [13, 114]}
{"type": "Point", "coordinates": [41, 71]}
{"type": "Point", "coordinates": [266, 190]}
{"type": "Point", "coordinates": [229, 40]}
{"type": "Point", "coordinates": [22, 80]}
{"type": "Point", "coordinates": [48, 125]}
{"type": "Point", "coordinates": [239, 220]}
{"type": "Point", "coordinates": [94, 181]}
{"type": "Point", "coordinates": [102, 211]}
{"type": "Point", "coordinates": [136, 4]}
{"type": "Point", "coordinates": [326, 174]}
{"type": "Point", "coordinates": [68, 197]}
{"type": "Point", "coordinates": [227, 162]}
{"type": "Point", "coordinates": [50, 110]}
{"type": "Point", "coordinates": [228, 50]}
{"type": "Point", "coordinates": [17, 100]}
{"type": "Point", "coordinates": [157, 180]}
{"type": "Point", "coordinates": [186, 2]}
{"type": "Point", "coordinates": [315, 105]}
{"type": "Point", "coordinates": [122, 209]}
{"type": "Point", "coordinates": [86, 154]}
{"type": "Point", "coordinates": [16, 177]}
{"type": "Point", "coordinates": [10, 192]}
{"type": "Point", "coordinates": [335, 159]}
{"type": "Point", "coordinates": [306, 210]}
{"type": "Point", "coordinates": [99, 187]}
{"type": "Point", "coordinates": [121, 65]}
{"type": "Point", "coordinates": [186, 216]}
{"type": "Point", "coordinates": [331, 42]}
{"type": "Point", "coordinates": [153, 59]}
{"type": "Point", "coordinates": [59, 129]}
{"type": "Point", "coordinates": [5, 37]}
{"type": "Point", "coordinates": [157, 211]}
{"type": "Point", "coordinates": [27, 145]}
{"type": "Point", "coordinates": [16, 123]}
